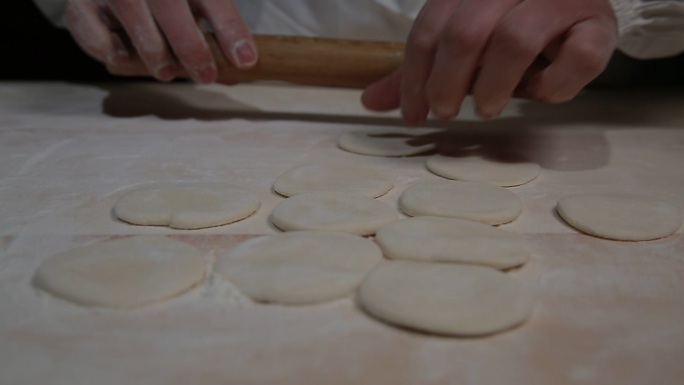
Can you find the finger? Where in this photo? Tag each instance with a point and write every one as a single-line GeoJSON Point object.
{"type": "Point", "coordinates": [519, 38]}
{"type": "Point", "coordinates": [231, 32]}
{"type": "Point", "coordinates": [187, 42]}
{"type": "Point", "coordinates": [383, 95]}
{"type": "Point", "coordinates": [419, 57]}
{"type": "Point", "coordinates": [582, 57]}
{"type": "Point", "coordinates": [137, 20]}
{"type": "Point", "coordinates": [548, 55]}
{"type": "Point", "coordinates": [459, 53]}
{"type": "Point", "coordinates": [84, 22]}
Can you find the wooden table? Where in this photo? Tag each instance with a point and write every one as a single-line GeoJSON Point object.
{"type": "Point", "coordinates": [608, 312]}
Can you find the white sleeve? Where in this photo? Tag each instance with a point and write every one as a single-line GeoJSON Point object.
{"type": "Point", "coordinates": [650, 29]}
{"type": "Point", "coordinates": [647, 29]}
{"type": "Point", "coordinates": [53, 10]}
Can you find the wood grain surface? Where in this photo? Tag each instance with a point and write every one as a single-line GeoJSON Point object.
{"type": "Point", "coordinates": [607, 312]}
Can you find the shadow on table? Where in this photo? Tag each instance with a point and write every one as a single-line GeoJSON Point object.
{"type": "Point", "coordinates": [626, 108]}
{"type": "Point", "coordinates": [567, 137]}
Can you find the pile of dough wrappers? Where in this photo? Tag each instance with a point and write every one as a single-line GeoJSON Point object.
{"type": "Point", "coordinates": [440, 268]}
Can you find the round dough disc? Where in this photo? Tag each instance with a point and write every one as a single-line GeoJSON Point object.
{"type": "Point", "coordinates": [186, 205]}
{"type": "Point", "coordinates": [434, 239]}
{"type": "Point", "coordinates": [343, 212]}
{"type": "Point", "coordinates": [299, 268]}
{"type": "Point", "coordinates": [475, 201]}
{"type": "Point", "coordinates": [462, 300]}
{"type": "Point", "coordinates": [478, 169]}
{"type": "Point", "coordinates": [123, 273]}
{"type": "Point", "coordinates": [620, 216]}
{"type": "Point", "coordinates": [382, 144]}
{"type": "Point", "coordinates": [322, 178]}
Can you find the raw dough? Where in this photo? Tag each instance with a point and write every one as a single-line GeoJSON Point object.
{"type": "Point", "coordinates": [186, 205]}
{"type": "Point", "coordinates": [310, 178]}
{"type": "Point", "coordinates": [383, 144]}
{"type": "Point", "coordinates": [434, 239]}
{"type": "Point", "coordinates": [620, 216]}
{"type": "Point", "coordinates": [475, 201]}
{"type": "Point", "coordinates": [463, 300]}
{"type": "Point", "coordinates": [332, 211]}
{"type": "Point", "coordinates": [479, 169]}
{"type": "Point", "coordinates": [299, 268]}
{"type": "Point", "coordinates": [123, 273]}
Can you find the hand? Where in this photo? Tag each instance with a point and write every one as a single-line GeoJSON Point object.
{"type": "Point", "coordinates": [159, 31]}
{"type": "Point", "coordinates": [542, 49]}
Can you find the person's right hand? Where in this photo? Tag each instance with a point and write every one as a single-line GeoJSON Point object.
{"type": "Point", "coordinates": [546, 50]}
{"type": "Point", "coordinates": [159, 31]}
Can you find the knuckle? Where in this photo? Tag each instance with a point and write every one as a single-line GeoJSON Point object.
{"type": "Point", "coordinates": [466, 38]}
{"type": "Point", "coordinates": [422, 42]}
{"type": "Point", "coordinates": [591, 58]}
{"type": "Point", "coordinates": [510, 38]}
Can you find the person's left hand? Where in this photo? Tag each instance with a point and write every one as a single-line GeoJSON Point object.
{"type": "Point", "coordinates": [542, 49]}
{"type": "Point", "coordinates": [162, 33]}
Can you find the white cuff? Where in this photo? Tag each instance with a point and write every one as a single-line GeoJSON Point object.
{"type": "Point", "coordinates": [650, 30]}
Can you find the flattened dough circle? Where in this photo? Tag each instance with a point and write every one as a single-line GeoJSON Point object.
{"type": "Point", "coordinates": [620, 216]}
{"type": "Point", "coordinates": [123, 273]}
{"type": "Point", "coordinates": [462, 300]}
{"type": "Point", "coordinates": [299, 268]}
{"type": "Point", "coordinates": [474, 201]}
{"type": "Point", "coordinates": [435, 239]}
{"type": "Point", "coordinates": [478, 169]}
{"type": "Point", "coordinates": [186, 205]}
{"type": "Point", "coordinates": [382, 144]}
{"type": "Point", "coordinates": [322, 178]}
{"type": "Point", "coordinates": [328, 211]}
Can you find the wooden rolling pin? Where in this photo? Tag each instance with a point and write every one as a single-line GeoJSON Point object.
{"type": "Point", "coordinates": [304, 60]}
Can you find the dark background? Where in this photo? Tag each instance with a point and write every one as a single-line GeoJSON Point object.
{"type": "Point", "coordinates": [32, 49]}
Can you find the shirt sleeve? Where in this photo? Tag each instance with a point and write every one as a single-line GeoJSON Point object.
{"type": "Point", "coordinates": [650, 29]}
{"type": "Point", "coordinates": [647, 29]}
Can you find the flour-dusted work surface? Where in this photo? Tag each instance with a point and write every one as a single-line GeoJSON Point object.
{"type": "Point", "coordinates": [606, 311]}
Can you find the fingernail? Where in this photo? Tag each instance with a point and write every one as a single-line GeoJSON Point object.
{"type": "Point", "coordinates": [488, 112]}
{"type": "Point", "coordinates": [244, 53]}
{"type": "Point", "coordinates": [206, 74]}
{"type": "Point", "coordinates": [444, 112]}
{"type": "Point", "coordinates": [166, 72]}
{"type": "Point", "coordinates": [120, 55]}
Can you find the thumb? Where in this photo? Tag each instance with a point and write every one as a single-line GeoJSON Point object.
{"type": "Point", "coordinates": [231, 32]}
